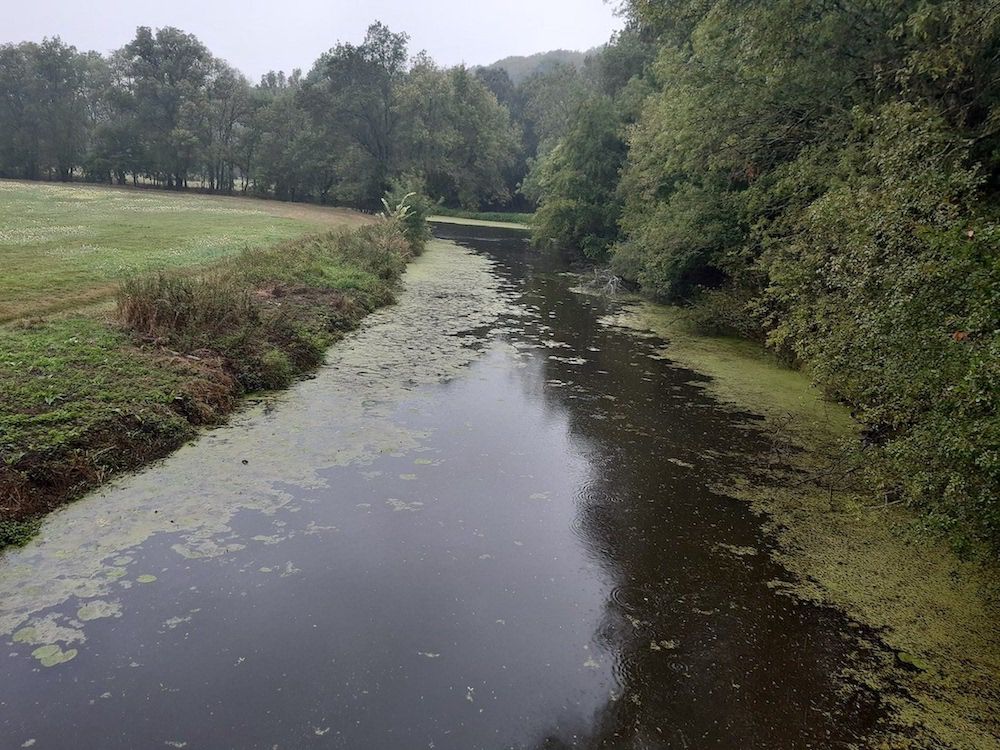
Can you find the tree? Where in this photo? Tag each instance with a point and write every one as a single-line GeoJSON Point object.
{"type": "Point", "coordinates": [456, 136]}
{"type": "Point", "coordinates": [578, 182]}
{"type": "Point", "coordinates": [352, 92]}
{"type": "Point", "coordinates": [44, 108]}
{"type": "Point", "coordinates": [164, 77]}
{"type": "Point", "coordinates": [229, 103]}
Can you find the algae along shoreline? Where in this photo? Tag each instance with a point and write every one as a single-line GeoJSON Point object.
{"type": "Point", "coordinates": [936, 615]}
{"type": "Point", "coordinates": [88, 397]}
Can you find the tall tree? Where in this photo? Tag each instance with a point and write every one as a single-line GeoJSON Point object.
{"type": "Point", "coordinates": [352, 91]}
{"type": "Point", "coordinates": [45, 108]}
{"type": "Point", "coordinates": [456, 135]}
{"type": "Point", "coordinates": [165, 75]}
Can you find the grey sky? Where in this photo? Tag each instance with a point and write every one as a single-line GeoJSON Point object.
{"type": "Point", "coordinates": [259, 36]}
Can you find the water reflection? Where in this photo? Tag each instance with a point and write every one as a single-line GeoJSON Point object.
{"type": "Point", "coordinates": [706, 654]}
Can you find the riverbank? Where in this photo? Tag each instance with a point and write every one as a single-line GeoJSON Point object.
{"type": "Point", "coordinates": [89, 397]}
{"type": "Point", "coordinates": [500, 217]}
{"type": "Point", "coordinates": [473, 222]}
{"type": "Point", "coordinates": [347, 416]}
{"type": "Point", "coordinates": [936, 615]}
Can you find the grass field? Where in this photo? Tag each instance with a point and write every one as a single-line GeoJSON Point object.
{"type": "Point", "coordinates": [128, 318]}
{"type": "Point", "coordinates": [67, 246]}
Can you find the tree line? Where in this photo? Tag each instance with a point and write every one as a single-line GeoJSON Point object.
{"type": "Point", "coordinates": [164, 110]}
{"type": "Point", "coordinates": [823, 177]}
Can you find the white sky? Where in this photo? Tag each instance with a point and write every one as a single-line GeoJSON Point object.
{"type": "Point", "coordinates": [261, 35]}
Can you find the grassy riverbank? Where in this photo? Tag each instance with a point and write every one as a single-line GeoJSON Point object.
{"type": "Point", "coordinates": [96, 390]}
{"type": "Point", "coordinates": [499, 217]}
{"type": "Point", "coordinates": [935, 613]}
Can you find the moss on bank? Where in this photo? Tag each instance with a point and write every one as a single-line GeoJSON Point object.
{"type": "Point", "coordinates": [86, 398]}
{"type": "Point", "coordinates": [937, 615]}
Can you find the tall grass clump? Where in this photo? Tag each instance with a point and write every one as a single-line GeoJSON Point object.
{"type": "Point", "coordinates": [151, 305]}
{"type": "Point", "coordinates": [270, 313]}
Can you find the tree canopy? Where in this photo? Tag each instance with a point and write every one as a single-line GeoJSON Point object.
{"type": "Point", "coordinates": [822, 176]}
{"type": "Point", "coordinates": [163, 109]}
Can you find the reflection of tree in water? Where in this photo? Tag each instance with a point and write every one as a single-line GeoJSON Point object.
{"type": "Point", "coordinates": [705, 654]}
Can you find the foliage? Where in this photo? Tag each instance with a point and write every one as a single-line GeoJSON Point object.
{"type": "Point", "coordinates": [822, 176]}
{"type": "Point", "coordinates": [351, 97]}
{"type": "Point", "coordinates": [890, 290]}
{"type": "Point", "coordinates": [458, 137]}
{"type": "Point", "coordinates": [164, 110]}
{"type": "Point", "coordinates": [46, 94]}
{"type": "Point", "coordinates": [578, 180]}
{"type": "Point", "coordinates": [407, 205]}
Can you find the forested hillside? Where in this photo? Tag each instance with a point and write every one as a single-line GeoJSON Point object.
{"type": "Point", "coordinates": [823, 177]}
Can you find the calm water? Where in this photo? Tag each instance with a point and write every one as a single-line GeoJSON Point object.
{"type": "Point", "coordinates": [523, 552]}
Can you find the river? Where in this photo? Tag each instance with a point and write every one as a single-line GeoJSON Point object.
{"type": "Point", "coordinates": [488, 522]}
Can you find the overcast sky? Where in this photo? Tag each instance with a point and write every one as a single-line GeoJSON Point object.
{"type": "Point", "coordinates": [261, 35]}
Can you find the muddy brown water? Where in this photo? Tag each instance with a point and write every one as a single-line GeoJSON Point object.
{"type": "Point", "coordinates": [487, 523]}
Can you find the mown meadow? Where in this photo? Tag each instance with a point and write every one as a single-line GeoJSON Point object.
{"type": "Point", "coordinates": [66, 246]}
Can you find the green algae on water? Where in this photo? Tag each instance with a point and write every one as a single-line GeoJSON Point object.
{"type": "Point", "coordinates": [449, 294]}
{"type": "Point", "coordinates": [98, 610]}
{"type": "Point", "coordinates": [52, 655]}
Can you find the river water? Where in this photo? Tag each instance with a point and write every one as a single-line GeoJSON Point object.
{"type": "Point", "coordinates": [487, 522]}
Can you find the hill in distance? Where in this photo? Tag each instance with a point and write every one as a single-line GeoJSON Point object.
{"type": "Point", "coordinates": [520, 67]}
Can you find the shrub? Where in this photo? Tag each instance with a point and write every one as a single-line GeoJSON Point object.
{"type": "Point", "coordinates": [407, 205]}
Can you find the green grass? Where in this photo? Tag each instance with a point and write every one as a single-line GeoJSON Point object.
{"type": "Point", "coordinates": [66, 246]}
{"type": "Point", "coordinates": [64, 378]}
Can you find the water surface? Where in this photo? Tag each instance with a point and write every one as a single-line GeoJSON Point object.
{"type": "Point", "coordinates": [486, 523]}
